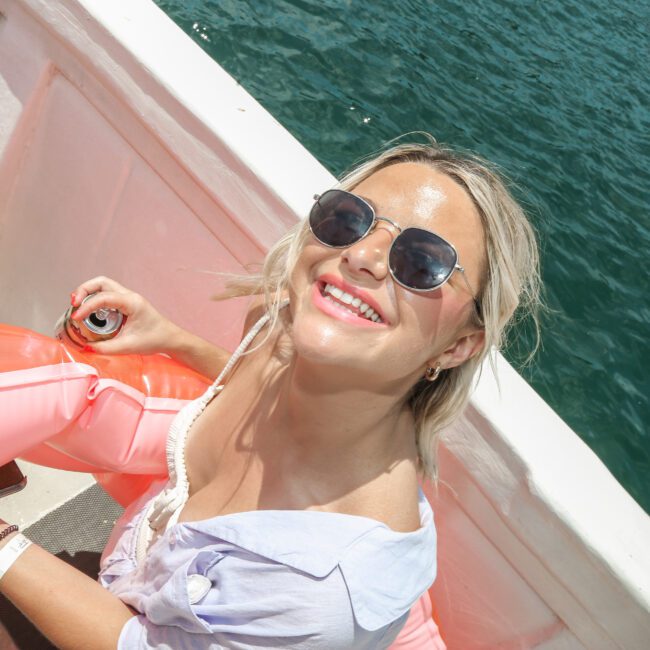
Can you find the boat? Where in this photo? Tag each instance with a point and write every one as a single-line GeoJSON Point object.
{"type": "Point", "coordinates": [125, 150]}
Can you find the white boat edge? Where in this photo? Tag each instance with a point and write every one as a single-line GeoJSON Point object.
{"type": "Point", "coordinates": [514, 469]}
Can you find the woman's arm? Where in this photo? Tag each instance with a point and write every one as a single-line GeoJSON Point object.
{"type": "Point", "coordinates": [205, 357]}
{"type": "Point", "coordinates": [72, 610]}
{"type": "Point", "coordinates": [146, 330]}
{"type": "Point", "coordinates": [197, 353]}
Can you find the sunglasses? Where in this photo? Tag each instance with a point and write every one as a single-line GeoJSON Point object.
{"type": "Point", "coordinates": [418, 260]}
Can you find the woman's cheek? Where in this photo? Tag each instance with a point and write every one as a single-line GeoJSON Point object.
{"type": "Point", "coordinates": [435, 318]}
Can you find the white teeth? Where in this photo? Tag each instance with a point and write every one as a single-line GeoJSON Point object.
{"type": "Point", "coordinates": [361, 308]}
{"type": "Point", "coordinates": [336, 292]}
{"type": "Point", "coordinates": [347, 298]}
{"type": "Point", "coordinates": [340, 305]}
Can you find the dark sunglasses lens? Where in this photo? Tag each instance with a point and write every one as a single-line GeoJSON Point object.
{"type": "Point", "coordinates": [421, 260]}
{"type": "Point", "coordinates": [340, 219]}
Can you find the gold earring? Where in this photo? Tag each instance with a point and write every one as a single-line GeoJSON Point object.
{"type": "Point", "coordinates": [431, 374]}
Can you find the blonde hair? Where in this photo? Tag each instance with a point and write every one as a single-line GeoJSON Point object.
{"type": "Point", "coordinates": [511, 283]}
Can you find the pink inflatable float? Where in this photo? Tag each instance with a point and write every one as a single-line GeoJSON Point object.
{"type": "Point", "coordinates": [109, 415]}
{"type": "Point", "coordinates": [88, 412]}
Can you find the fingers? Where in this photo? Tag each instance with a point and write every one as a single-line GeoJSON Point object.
{"type": "Point", "coordinates": [124, 302]}
{"type": "Point", "coordinates": [112, 346]}
{"type": "Point", "coordinates": [143, 333]}
{"type": "Point", "coordinates": [100, 283]}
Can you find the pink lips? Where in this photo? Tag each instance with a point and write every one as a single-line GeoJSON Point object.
{"type": "Point", "coordinates": [333, 309]}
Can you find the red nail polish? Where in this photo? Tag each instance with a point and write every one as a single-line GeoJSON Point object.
{"type": "Point", "coordinates": [87, 348]}
{"type": "Point", "coordinates": [73, 298]}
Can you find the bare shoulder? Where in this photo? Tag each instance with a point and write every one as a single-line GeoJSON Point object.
{"type": "Point", "coordinates": [393, 500]}
{"type": "Point", "coordinates": [402, 511]}
{"type": "Point", "coordinates": [255, 311]}
{"type": "Point", "coordinates": [281, 348]}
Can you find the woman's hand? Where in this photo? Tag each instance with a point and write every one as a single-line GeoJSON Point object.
{"type": "Point", "coordinates": [146, 331]}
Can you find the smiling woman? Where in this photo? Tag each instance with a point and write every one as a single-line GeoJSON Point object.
{"type": "Point", "coordinates": [458, 195]}
{"type": "Point", "coordinates": [301, 480]}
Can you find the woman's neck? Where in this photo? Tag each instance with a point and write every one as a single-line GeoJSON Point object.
{"type": "Point", "coordinates": [325, 421]}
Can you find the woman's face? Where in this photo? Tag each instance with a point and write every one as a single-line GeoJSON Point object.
{"type": "Point", "coordinates": [418, 329]}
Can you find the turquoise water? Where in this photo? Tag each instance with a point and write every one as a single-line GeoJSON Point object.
{"type": "Point", "coordinates": [555, 92]}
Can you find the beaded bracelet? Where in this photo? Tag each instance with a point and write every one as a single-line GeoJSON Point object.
{"type": "Point", "coordinates": [7, 531]}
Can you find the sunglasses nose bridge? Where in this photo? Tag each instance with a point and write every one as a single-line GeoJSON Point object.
{"type": "Point", "coordinates": [388, 226]}
{"type": "Point", "coordinates": [390, 222]}
{"type": "Point", "coordinates": [390, 231]}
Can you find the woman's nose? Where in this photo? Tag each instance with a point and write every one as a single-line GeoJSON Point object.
{"type": "Point", "coordinates": [370, 254]}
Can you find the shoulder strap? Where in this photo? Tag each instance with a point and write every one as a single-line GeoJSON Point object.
{"type": "Point", "coordinates": [241, 348]}
{"type": "Point", "coordinates": [165, 508]}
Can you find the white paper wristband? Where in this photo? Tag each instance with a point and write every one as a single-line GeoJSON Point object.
{"type": "Point", "coordinates": [12, 551]}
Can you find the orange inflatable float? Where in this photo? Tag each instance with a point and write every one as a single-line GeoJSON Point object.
{"type": "Point", "coordinates": [87, 412]}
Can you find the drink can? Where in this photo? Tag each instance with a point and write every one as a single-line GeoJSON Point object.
{"type": "Point", "coordinates": [100, 325]}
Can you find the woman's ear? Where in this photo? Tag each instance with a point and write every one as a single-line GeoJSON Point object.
{"type": "Point", "coordinates": [462, 349]}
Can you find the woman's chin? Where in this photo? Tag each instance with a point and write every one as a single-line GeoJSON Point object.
{"type": "Point", "coordinates": [320, 341]}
